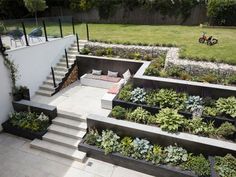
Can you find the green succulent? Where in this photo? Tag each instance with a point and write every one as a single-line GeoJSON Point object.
{"type": "Point", "coordinates": [227, 106]}
{"type": "Point", "coordinates": [126, 146]}
{"type": "Point", "coordinates": [138, 95]}
{"type": "Point", "coordinates": [155, 154]}
{"type": "Point", "coordinates": [170, 120]}
{"type": "Point", "coordinates": [225, 166]}
{"type": "Point", "coordinates": [141, 148]}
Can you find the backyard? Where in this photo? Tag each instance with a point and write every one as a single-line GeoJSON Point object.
{"type": "Point", "coordinates": [185, 37]}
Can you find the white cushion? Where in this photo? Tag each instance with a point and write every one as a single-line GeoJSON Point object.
{"type": "Point", "coordinates": [97, 72]}
{"type": "Point", "coordinates": [112, 74]}
{"type": "Point", "coordinates": [127, 75]}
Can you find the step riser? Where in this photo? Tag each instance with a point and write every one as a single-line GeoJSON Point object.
{"type": "Point", "coordinates": [43, 94]}
{"type": "Point", "coordinates": [71, 117]}
{"type": "Point", "coordinates": [59, 143]}
{"type": "Point", "coordinates": [61, 69]}
{"type": "Point", "coordinates": [64, 64]}
{"type": "Point", "coordinates": [68, 126]}
{"type": "Point", "coordinates": [56, 153]}
{"type": "Point", "coordinates": [65, 134]}
{"type": "Point", "coordinates": [60, 74]}
{"type": "Point", "coordinates": [47, 89]}
{"type": "Point", "coordinates": [56, 78]}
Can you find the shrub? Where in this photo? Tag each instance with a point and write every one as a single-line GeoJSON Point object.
{"type": "Point", "coordinates": [175, 155]}
{"type": "Point", "coordinates": [109, 141]}
{"type": "Point", "coordinates": [225, 130]}
{"type": "Point", "coordinates": [227, 106]}
{"type": "Point", "coordinates": [170, 120]}
{"type": "Point", "coordinates": [139, 115]}
{"type": "Point", "coordinates": [126, 146]}
{"type": "Point", "coordinates": [141, 148]}
{"type": "Point", "coordinates": [118, 112]}
{"type": "Point", "coordinates": [138, 95]}
{"type": "Point", "coordinates": [125, 93]}
{"type": "Point", "coordinates": [210, 78]}
{"type": "Point", "coordinates": [152, 71]}
{"type": "Point", "coordinates": [226, 166]}
{"type": "Point", "coordinates": [174, 71]}
{"type": "Point", "coordinates": [193, 103]}
{"type": "Point", "coordinates": [93, 138]}
{"type": "Point", "coordinates": [199, 164]}
{"type": "Point", "coordinates": [210, 111]}
{"type": "Point", "coordinates": [155, 154]}
{"type": "Point", "coordinates": [85, 51]}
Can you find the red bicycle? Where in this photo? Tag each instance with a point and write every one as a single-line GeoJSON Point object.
{"type": "Point", "coordinates": [208, 40]}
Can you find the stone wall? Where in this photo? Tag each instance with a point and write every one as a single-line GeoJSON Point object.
{"type": "Point", "coordinates": [71, 78]}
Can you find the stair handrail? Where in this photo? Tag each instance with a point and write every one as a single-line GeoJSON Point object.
{"type": "Point", "coordinates": [53, 77]}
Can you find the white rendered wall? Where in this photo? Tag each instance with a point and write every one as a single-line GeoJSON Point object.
{"type": "Point", "coordinates": [34, 62]}
{"type": "Point", "coordinates": [5, 89]}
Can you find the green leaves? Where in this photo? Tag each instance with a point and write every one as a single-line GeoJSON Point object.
{"type": "Point", "coordinates": [125, 93]}
{"type": "Point", "coordinates": [35, 5]}
{"type": "Point", "coordinates": [138, 95]}
{"type": "Point", "coordinates": [226, 166]}
{"type": "Point", "coordinates": [227, 106]}
{"type": "Point", "coordinates": [139, 115]}
{"type": "Point", "coordinates": [109, 141]}
{"type": "Point", "coordinates": [118, 112]}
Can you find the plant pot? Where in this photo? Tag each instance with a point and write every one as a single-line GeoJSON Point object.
{"type": "Point", "coordinates": [9, 128]}
{"type": "Point", "coordinates": [131, 163]}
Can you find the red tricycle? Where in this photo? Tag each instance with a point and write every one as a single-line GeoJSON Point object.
{"type": "Point", "coordinates": [208, 40]}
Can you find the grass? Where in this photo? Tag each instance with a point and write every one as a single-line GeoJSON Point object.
{"type": "Point", "coordinates": [186, 37]}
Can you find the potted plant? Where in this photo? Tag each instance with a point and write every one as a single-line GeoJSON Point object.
{"type": "Point", "coordinates": [20, 92]}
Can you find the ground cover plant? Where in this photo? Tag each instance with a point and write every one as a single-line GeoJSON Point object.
{"type": "Point", "coordinates": [225, 166]}
{"type": "Point", "coordinates": [185, 37]}
{"type": "Point", "coordinates": [142, 149]}
{"type": "Point", "coordinates": [29, 121]}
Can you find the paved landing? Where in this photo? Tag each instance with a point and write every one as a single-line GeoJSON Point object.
{"type": "Point", "coordinates": [17, 159]}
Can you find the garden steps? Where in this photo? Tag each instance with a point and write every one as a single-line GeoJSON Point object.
{"type": "Point", "coordinates": [58, 150]}
{"type": "Point", "coordinates": [70, 123]}
{"type": "Point", "coordinates": [71, 116]}
{"type": "Point", "coordinates": [60, 71]}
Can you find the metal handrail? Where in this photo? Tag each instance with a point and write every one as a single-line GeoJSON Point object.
{"type": "Point", "coordinates": [53, 77]}
{"type": "Point", "coordinates": [67, 64]}
{"type": "Point", "coordinates": [77, 41]}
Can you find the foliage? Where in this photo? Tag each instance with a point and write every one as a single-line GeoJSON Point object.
{"type": "Point", "coordinates": [125, 93]}
{"type": "Point", "coordinates": [193, 103]}
{"type": "Point", "coordinates": [109, 141]}
{"type": "Point", "coordinates": [93, 137]}
{"type": "Point", "coordinates": [138, 95]}
{"type": "Point", "coordinates": [227, 106]}
{"type": "Point", "coordinates": [199, 127]}
{"type": "Point", "coordinates": [222, 12]}
{"type": "Point", "coordinates": [126, 146]}
{"type": "Point", "coordinates": [118, 112]}
{"type": "Point", "coordinates": [139, 115]}
{"type": "Point", "coordinates": [199, 164]}
{"type": "Point", "coordinates": [167, 98]}
{"type": "Point", "coordinates": [170, 120]}
{"type": "Point", "coordinates": [225, 130]}
{"type": "Point", "coordinates": [141, 148]}
{"type": "Point", "coordinates": [226, 166]}
{"type": "Point", "coordinates": [85, 51]}
{"type": "Point", "coordinates": [155, 154]}
{"type": "Point", "coordinates": [13, 70]}
{"type": "Point", "coordinates": [175, 155]}
{"type": "Point", "coordinates": [83, 5]}
{"type": "Point", "coordinates": [210, 111]}
{"type": "Point", "coordinates": [29, 121]}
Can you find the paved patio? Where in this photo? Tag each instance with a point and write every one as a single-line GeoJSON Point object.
{"type": "Point", "coordinates": [82, 100]}
{"type": "Point", "coordinates": [19, 160]}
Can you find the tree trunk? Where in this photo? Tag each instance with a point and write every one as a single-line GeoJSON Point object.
{"type": "Point", "coordinates": [36, 18]}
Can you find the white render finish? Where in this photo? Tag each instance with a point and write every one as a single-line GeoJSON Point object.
{"type": "Point", "coordinates": [5, 89]}
{"type": "Point", "coordinates": [34, 62]}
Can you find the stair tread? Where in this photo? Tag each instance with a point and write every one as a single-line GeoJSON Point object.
{"type": "Point", "coordinates": [67, 131]}
{"type": "Point", "coordinates": [58, 149]}
{"type": "Point", "coordinates": [70, 122]}
{"type": "Point", "coordinates": [44, 92]}
{"type": "Point", "coordinates": [70, 115]}
{"type": "Point", "coordinates": [62, 139]}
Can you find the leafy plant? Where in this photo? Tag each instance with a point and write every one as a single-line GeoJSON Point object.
{"type": "Point", "coordinates": [141, 148]}
{"type": "Point", "coordinates": [225, 130]}
{"type": "Point", "coordinates": [109, 141]}
{"type": "Point", "coordinates": [227, 106]}
{"type": "Point", "coordinates": [138, 95]}
{"type": "Point", "coordinates": [210, 111]}
{"type": "Point", "coordinates": [126, 146]}
{"type": "Point", "coordinates": [85, 51]}
{"type": "Point", "coordinates": [125, 93]}
{"type": "Point", "coordinates": [175, 155]}
{"type": "Point", "coordinates": [93, 137]}
{"type": "Point", "coordinates": [139, 115]}
{"type": "Point", "coordinates": [170, 120]}
{"type": "Point", "coordinates": [199, 164]}
{"type": "Point", "coordinates": [118, 112]}
{"type": "Point", "coordinates": [226, 166]}
{"type": "Point", "coordinates": [155, 154]}
{"type": "Point", "coordinates": [193, 103]}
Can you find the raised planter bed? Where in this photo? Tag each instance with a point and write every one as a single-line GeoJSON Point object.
{"type": "Point", "coordinates": [138, 165]}
{"type": "Point", "coordinates": [9, 128]}
{"type": "Point", "coordinates": [192, 143]}
{"type": "Point", "coordinates": [153, 110]}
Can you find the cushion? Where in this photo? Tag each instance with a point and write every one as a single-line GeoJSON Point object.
{"type": "Point", "coordinates": [114, 89]}
{"type": "Point", "coordinates": [112, 74]}
{"type": "Point", "coordinates": [110, 79]}
{"type": "Point", "coordinates": [127, 75]}
{"type": "Point", "coordinates": [96, 72]}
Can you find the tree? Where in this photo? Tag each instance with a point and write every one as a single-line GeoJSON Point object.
{"type": "Point", "coordinates": [34, 6]}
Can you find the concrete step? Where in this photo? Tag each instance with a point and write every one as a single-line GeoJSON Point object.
{"type": "Point", "coordinates": [70, 123]}
{"type": "Point", "coordinates": [60, 68]}
{"type": "Point", "coordinates": [57, 77]}
{"type": "Point", "coordinates": [50, 82]}
{"type": "Point", "coordinates": [71, 116]}
{"type": "Point", "coordinates": [58, 150]}
{"type": "Point", "coordinates": [63, 64]}
{"type": "Point", "coordinates": [47, 87]}
{"type": "Point", "coordinates": [70, 60]}
{"type": "Point", "coordinates": [69, 132]}
{"type": "Point", "coordinates": [44, 92]}
{"type": "Point", "coordinates": [60, 73]}
{"type": "Point", "coordinates": [61, 140]}
{"type": "Point", "coordinates": [73, 52]}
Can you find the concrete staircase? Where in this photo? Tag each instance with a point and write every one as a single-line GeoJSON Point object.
{"type": "Point", "coordinates": [60, 71]}
{"type": "Point", "coordinates": [63, 137]}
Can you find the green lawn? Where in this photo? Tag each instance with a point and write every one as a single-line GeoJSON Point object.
{"type": "Point", "coordinates": [186, 37]}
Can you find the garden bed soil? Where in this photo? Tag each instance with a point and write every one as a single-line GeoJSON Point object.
{"type": "Point", "coordinates": [9, 128]}
{"type": "Point", "coordinates": [134, 164]}
{"type": "Point", "coordinates": [153, 110]}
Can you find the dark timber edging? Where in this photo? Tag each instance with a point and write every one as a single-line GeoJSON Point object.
{"type": "Point", "coordinates": [138, 165]}
{"type": "Point", "coordinates": [193, 143]}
